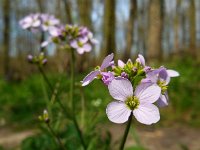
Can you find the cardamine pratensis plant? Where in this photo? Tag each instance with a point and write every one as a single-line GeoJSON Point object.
{"type": "Point", "coordinates": [70, 37]}
{"type": "Point", "coordinates": [137, 89]}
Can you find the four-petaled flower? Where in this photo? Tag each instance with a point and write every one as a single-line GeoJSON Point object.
{"type": "Point", "coordinates": [139, 103]}
{"type": "Point", "coordinates": [161, 77]}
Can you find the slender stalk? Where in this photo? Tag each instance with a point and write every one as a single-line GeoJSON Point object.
{"type": "Point", "coordinates": [72, 60]}
{"type": "Point", "coordinates": [45, 78]}
{"type": "Point", "coordinates": [82, 107]}
{"type": "Point", "coordinates": [71, 97]}
{"type": "Point", "coordinates": [126, 133]}
{"type": "Point", "coordinates": [57, 139]}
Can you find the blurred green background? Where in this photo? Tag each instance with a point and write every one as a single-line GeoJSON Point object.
{"type": "Point", "coordinates": [165, 32]}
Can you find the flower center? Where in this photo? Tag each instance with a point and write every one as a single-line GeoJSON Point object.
{"type": "Point", "coordinates": [80, 44]}
{"type": "Point", "coordinates": [162, 85]}
{"type": "Point", "coordinates": [132, 102]}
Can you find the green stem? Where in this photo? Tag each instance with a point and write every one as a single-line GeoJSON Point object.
{"type": "Point", "coordinates": [126, 132]}
{"type": "Point", "coordinates": [72, 60]}
{"type": "Point", "coordinates": [57, 139]}
{"type": "Point", "coordinates": [45, 78]}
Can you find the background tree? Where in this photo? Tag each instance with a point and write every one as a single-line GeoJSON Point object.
{"type": "Point", "coordinates": [130, 27]}
{"type": "Point", "coordinates": [109, 45]}
{"type": "Point", "coordinates": [68, 13]}
{"type": "Point", "coordinates": [6, 38]}
{"type": "Point", "coordinates": [154, 42]}
{"type": "Point", "coordinates": [85, 10]}
{"type": "Point", "coordinates": [192, 28]}
{"type": "Point", "coordinates": [177, 26]}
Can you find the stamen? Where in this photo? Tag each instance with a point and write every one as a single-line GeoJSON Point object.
{"type": "Point", "coordinates": [132, 102]}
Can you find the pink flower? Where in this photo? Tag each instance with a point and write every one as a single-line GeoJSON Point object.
{"type": "Point", "coordinates": [161, 77]}
{"type": "Point", "coordinates": [139, 103]}
{"type": "Point", "coordinates": [108, 61]}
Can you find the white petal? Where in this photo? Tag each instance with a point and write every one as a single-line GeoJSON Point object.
{"type": "Point", "coordinates": [147, 92]}
{"type": "Point", "coordinates": [120, 89]}
{"type": "Point", "coordinates": [147, 114]}
{"type": "Point", "coordinates": [118, 112]}
{"type": "Point", "coordinates": [172, 73]}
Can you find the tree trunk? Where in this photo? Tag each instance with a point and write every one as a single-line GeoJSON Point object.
{"type": "Point", "coordinates": [68, 13]}
{"type": "Point", "coordinates": [109, 27]}
{"type": "Point", "coordinates": [192, 17]}
{"type": "Point", "coordinates": [85, 8]}
{"type": "Point", "coordinates": [154, 41]}
{"type": "Point", "coordinates": [130, 27]}
{"type": "Point", "coordinates": [176, 27]}
{"type": "Point", "coordinates": [6, 38]}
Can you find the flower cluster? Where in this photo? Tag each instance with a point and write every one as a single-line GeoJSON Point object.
{"type": "Point", "coordinates": [39, 22]}
{"type": "Point", "coordinates": [137, 88]}
{"type": "Point", "coordinates": [75, 37]}
{"type": "Point", "coordinates": [38, 59]}
{"type": "Point", "coordinates": [70, 37]}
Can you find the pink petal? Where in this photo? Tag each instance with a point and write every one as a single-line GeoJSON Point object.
{"type": "Point", "coordinates": [90, 77]}
{"type": "Point", "coordinates": [36, 23]}
{"type": "Point", "coordinates": [80, 50]}
{"type": "Point", "coordinates": [141, 60]}
{"type": "Point", "coordinates": [121, 63]}
{"type": "Point", "coordinates": [74, 44]}
{"type": "Point", "coordinates": [87, 47]}
{"type": "Point", "coordinates": [120, 89]}
{"type": "Point", "coordinates": [147, 114]}
{"type": "Point", "coordinates": [163, 100]}
{"type": "Point", "coordinates": [147, 92]}
{"type": "Point", "coordinates": [172, 73]}
{"type": "Point", "coordinates": [106, 61]}
{"type": "Point", "coordinates": [44, 44]}
{"type": "Point", "coordinates": [118, 112]}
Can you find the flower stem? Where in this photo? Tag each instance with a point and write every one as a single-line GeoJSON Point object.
{"type": "Point", "coordinates": [72, 60]}
{"type": "Point", "coordinates": [57, 139]}
{"type": "Point", "coordinates": [45, 78]}
{"type": "Point", "coordinates": [126, 132]}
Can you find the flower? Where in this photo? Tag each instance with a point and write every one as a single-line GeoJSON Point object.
{"type": "Point", "coordinates": [81, 45]}
{"type": "Point", "coordinates": [141, 60]}
{"type": "Point", "coordinates": [161, 77]}
{"type": "Point", "coordinates": [31, 21]}
{"type": "Point", "coordinates": [48, 21]}
{"type": "Point", "coordinates": [107, 77]}
{"type": "Point", "coordinates": [93, 74]}
{"type": "Point", "coordinates": [139, 103]}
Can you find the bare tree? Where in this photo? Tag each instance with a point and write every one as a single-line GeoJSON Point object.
{"type": "Point", "coordinates": [68, 13]}
{"type": "Point", "coordinates": [154, 41]}
{"type": "Point", "coordinates": [84, 8]}
{"type": "Point", "coordinates": [130, 27]}
{"type": "Point", "coordinates": [6, 37]}
{"type": "Point", "coordinates": [192, 17]}
{"type": "Point", "coordinates": [177, 26]}
{"type": "Point", "coordinates": [109, 45]}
